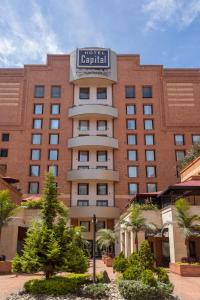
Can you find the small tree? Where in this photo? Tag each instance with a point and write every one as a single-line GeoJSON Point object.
{"type": "Point", "coordinates": [7, 208]}
{"type": "Point", "coordinates": [145, 256]}
{"type": "Point", "coordinates": [190, 224]}
{"type": "Point", "coordinates": [106, 239]}
{"type": "Point", "coordinates": [49, 245]}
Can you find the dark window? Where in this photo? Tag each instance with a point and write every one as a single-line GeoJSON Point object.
{"type": "Point", "coordinates": [132, 171]}
{"type": "Point", "coordinates": [38, 109]}
{"type": "Point", "coordinates": [5, 137]}
{"type": "Point", "coordinates": [39, 91]}
{"type": "Point", "coordinates": [83, 203]}
{"type": "Point", "coordinates": [131, 139]}
{"type": "Point", "coordinates": [102, 189]}
{"type": "Point", "coordinates": [37, 123]}
{"type": "Point", "coordinates": [131, 124]}
{"type": "Point", "coordinates": [54, 139]}
{"type": "Point", "coordinates": [34, 171]}
{"type": "Point", "coordinates": [84, 125]}
{"type": "Point", "coordinates": [84, 93]}
{"type": "Point", "coordinates": [53, 169]}
{"type": "Point", "coordinates": [151, 187]}
{"type": "Point", "coordinates": [149, 139]}
{"type": "Point", "coordinates": [83, 167]}
{"type": "Point", "coordinates": [179, 139]}
{"type": "Point", "coordinates": [148, 109]}
{"type": "Point", "coordinates": [55, 109]}
{"type": "Point", "coordinates": [147, 92]}
{"type": "Point", "coordinates": [101, 93]}
{"type": "Point", "coordinates": [150, 155]}
{"type": "Point", "coordinates": [53, 154]}
{"type": "Point", "coordinates": [83, 156]}
{"type": "Point", "coordinates": [55, 92]}
{"type": "Point", "coordinates": [151, 171]}
{"type": "Point", "coordinates": [102, 156]}
{"type": "Point", "coordinates": [35, 154]}
{"type": "Point", "coordinates": [131, 109]}
{"type": "Point", "coordinates": [132, 154]}
{"type": "Point", "coordinates": [102, 167]}
{"type": "Point", "coordinates": [100, 225]}
{"type": "Point", "coordinates": [196, 139]}
{"type": "Point", "coordinates": [36, 139]}
{"type": "Point", "coordinates": [83, 189]}
{"type": "Point", "coordinates": [33, 188]}
{"type": "Point", "coordinates": [132, 188]}
{"type": "Point", "coordinates": [85, 225]}
{"type": "Point", "coordinates": [54, 124]}
{"type": "Point", "coordinates": [148, 124]}
{"type": "Point", "coordinates": [130, 92]}
{"type": "Point", "coordinates": [101, 125]}
{"type": "Point", "coordinates": [180, 154]}
{"type": "Point", "coordinates": [102, 203]}
{"type": "Point", "coordinates": [3, 152]}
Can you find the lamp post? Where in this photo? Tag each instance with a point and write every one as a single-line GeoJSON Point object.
{"type": "Point", "coordinates": [94, 248]}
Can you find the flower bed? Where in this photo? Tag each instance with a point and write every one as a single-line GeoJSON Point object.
{"type": "Point", "coordinates": [183, 269]}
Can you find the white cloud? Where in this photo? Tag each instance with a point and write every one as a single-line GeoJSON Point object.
{"type": "Point", "coordinates": [180, 13]}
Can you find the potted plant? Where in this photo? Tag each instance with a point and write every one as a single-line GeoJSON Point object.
{"type": "Point", "coordinates": [106, 239]}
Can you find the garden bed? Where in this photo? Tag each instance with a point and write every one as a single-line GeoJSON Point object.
{"type": "Point", "coordinates": [5, 267]}
{"type": "Point", "coordinates": [190, 270]}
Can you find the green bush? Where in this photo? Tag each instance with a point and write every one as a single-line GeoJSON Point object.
{"type": "Point", "coordinates": [33, 204]}
{"type": "Point", "coordinates": [134, 259]}
{"type": "Point", "coordinates": [96, 291]}
{"type": "Point", "coordinates": [162, 275]}
{"type": "Point", "coordinates": [56, 285]}
{"type": "Point", "coordinates": [120, 263]}
{"type": "Point", "coordinates": [136, 290]}
{"type": "Point", "coordinates": [132, 273]}
{"type": "Point", "coordinates": [102, 277]}
{"type": "Point", "coordinates": [148, 278]}
{"type": "Point", "coordinates": [76, 260]}
{"type": "Point", "coordinates": [145, 256]}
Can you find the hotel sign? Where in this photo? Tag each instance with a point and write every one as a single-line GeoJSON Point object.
{"type": "Point", "coordinates": [93, 58]}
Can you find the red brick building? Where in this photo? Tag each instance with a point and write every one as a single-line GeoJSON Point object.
{"type": "Point", "coordinates": [105, 124]}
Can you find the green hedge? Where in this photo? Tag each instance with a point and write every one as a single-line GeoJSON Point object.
{"type": "Point", "coordinates": [131, 289]}
{"type": "Point", "coordinates": [120, 263]}
{"type": "Point", "coordinates": [56, 285]}
{"type": "Point", "coordinates": [33, 204]}
{"type": "Point", "coordinates": [96, 291]}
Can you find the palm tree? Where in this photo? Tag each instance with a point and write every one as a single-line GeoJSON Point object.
{"type": "Point", "coordinates": [106, 239]}
{"type": "Point", "coordinates": [7, 208]}
{"type": "Point", "coordinates": [190, 224]}
{"type": "Point", "coordinates": [138, 223]}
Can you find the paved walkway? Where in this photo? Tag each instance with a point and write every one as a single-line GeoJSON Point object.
{"type": "Point", "coordinates": [187, 288]}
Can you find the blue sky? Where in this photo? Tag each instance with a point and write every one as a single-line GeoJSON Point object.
{"type": "Point", "coordinates": [163, 32]}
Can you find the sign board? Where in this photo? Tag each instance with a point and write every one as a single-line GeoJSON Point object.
{"type": "Point", "coordinates": [93, 58]}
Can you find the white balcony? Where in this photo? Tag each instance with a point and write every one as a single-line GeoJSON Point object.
{"type": "Point", "coordinates": [95, 141]}
{"type": "Point", "coordinates": [93, 110]}
{"type": "Point", "coordinates": [93, 175]}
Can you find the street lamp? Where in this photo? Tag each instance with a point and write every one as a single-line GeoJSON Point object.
{"type": "Point", "coordinates": [94, 248]}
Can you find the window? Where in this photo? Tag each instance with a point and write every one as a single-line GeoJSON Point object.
{"type": "Point", "coordinates": [150, 155]}
{"type": "Point", "coordinates": [151, 187]}
{"type": "Point", "coordinates": [83, 189]}
{"type": "Point", "coordinates": [34, 171]}
{"type": "Point", "coordinates": [130, 109]}
{"type": "Point", "coordinates": [83, 167]}
{"type": "Point", "coordinates": [3, 152]}
{"type": "Point", "coordinates": [132, 154]}
{"type": "Point", "coordinates": [148, 109]}
{"type": "Point", "coordinates": [83, 203]}
{"type": "Point", "coordinates": [55, 109]}
{"type": "Point", "coordinates": [53, 154]}
{"type": "Point", "coordinates": [148, 124]}
{"type": "Point", "coordinates": [39, 91]}
{"type": "Point", "coordinates": [53, 169]}
{"type": "Point", "coordinates": [83, 125]}
{"type": "Point", "coordinates": [131, 124]}
{"type": "Point", "coordinates": [85, 225]}
{"type": "Point", "coordinates": [132, 171]}
{"type": "Point", "coordinates": [38, 109]}
{"type": "Point", "coordinates": [37, 123]}
{"type": "Point", "coordinates": [100, 225]}
{"type": "Point", "coordinates": [33, 188]}
{"type": "Point", "coordinates": [132, 188]}
{"type": "Point", "coordinates": [179, 139]}
{"type": "Point", "coordinates": [130, 92]}
{"type": "Point", "coordinates": [102, 156]}
{"type": "Point", "coordinates": [101, 125]}
{"type": "Point", "coordinates": [102, 167]}
{"type": "Point", "coordinates": [102, 189]}
{"type": "Point", "coordinates": [83, 156]}
{"type": "Point", "coordinates": [131, 139]}
{"type": "Point", "coordinates": [180, 154]}
{"type": "Point", "coordinates": [5, 137]}
{"type": "Point", "coordinates": [36, 139]}
{"type": "Point", "coordinates": [102, 203]}
{"type": "Point", "coordinates": [102, 93]}
{"type": "Point", "coordinates": [35, 154]}
{"type": "Point", "coordinates": [150, 171]}
{"type": "Point", "coordinates": [147, 92]}
{"type": "Point", "coordinates": [55, 92]}
{"type": "Point", "coordinates": [54, 139]}
{"type": "Point", "coordinates": [149, 139]}
{"type": "Point", "coordinates": [54, 124]}
{"type": "Point", "coordinates": [195, 139]}
{"type": "Point", "coordinates": [84, 93]}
